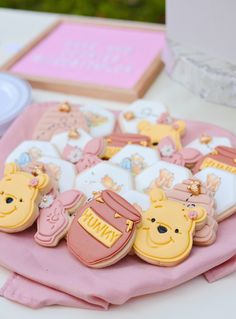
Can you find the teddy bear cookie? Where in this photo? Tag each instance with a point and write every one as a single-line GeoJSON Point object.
{"type": "Point", "coordinates": [140, 110]}
{"type": "Point", "coordinates": [54, 219]}
{"type": "Point", "coordinates": [165, 235]}
{"type": "Point", "coordinates": [20, 194]}
{"type": "Point", "coordinates": [59, 117]}
{"type": "Point", "coordinates": [158, 131]}
{"type": "Point", "coordinates": [193, 193]}
{"type": "Point", "coordinates": [222, 157]}
{"type": "Point", "coordinates": [103, 230]}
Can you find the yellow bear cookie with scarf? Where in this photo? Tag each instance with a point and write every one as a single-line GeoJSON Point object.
{"type": "Point", "coordinates": [165, 235]}
{"type": "Point", "coordinates": [20, 194]}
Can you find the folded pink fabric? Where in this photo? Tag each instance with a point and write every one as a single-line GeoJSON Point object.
{"type": "Point", "coordinates": [46, 276]}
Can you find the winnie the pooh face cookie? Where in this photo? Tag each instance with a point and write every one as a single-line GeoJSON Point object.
{"type": "Point", "coordinates": [165, 236]}
{"type": "Point", "coordinates": [156, 132]}
{"type": "Point", "coordinates": [20, 193]}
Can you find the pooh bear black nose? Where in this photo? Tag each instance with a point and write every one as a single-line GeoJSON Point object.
{"type": "Point", "coordinates": [162, 229]}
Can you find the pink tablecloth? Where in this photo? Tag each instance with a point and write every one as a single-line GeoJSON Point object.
{"type": "Point", "coordinates": [44, 276]}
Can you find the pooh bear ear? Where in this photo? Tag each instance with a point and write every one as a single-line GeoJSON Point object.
{"type": "Point", "coordinates": [43, 181]}
{"type": "Point", "coordinates": [10, 168]}
{"type": "Point", "coordinates": [179, 126]}
{"type": "Point", "coordinates": [144, 125]}
{"type": "Point", "coordinates": [157, 195]}
{"type": "Point", "coordinates": [198, 214]}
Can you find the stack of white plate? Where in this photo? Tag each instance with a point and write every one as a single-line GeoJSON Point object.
{"type": "Point", "coordinates": [15, 95]}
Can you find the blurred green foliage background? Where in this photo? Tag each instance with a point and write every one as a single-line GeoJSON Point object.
{"type": "Point", "coordinates": [140, 10]}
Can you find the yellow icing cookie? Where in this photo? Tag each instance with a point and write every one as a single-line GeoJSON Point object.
{"type": "Point", "coordinates": [165, 236]}
{"type": "Point", "coordinates": [156, 132]}
{"type": "Point", "coordinates": [20, 193]}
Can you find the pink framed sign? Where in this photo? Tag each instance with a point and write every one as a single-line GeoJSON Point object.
{"type": "Point", "coordinates": [96, 59]}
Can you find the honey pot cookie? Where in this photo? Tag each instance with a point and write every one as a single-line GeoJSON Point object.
{"type": "Point", "coordinates": [103, 230]}
{"type": "Point", "coordinates": [20, 194]}
{"type": "Point", "coordinates": [165, 235]}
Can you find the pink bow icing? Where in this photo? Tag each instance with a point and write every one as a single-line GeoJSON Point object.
{"type": "Point", "coordinates": [192, 214]}
{"type": "Point", "coordinates": [34, 182]}
{"type": "Point", "coordinates": [168, 153]}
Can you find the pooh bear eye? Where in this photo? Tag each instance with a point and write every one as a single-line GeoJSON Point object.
{"type": "Point", "coordinates": [191, 205]}
{"type": "Point", "coordinates": [21, 200]}
{"type": "Point", "coordinates": [1, 193]}
{"type": "Point", "coordinates": [177, 230]}
{"type": "Point", "coordinates": [9, 200]}
{"type": "Point", "coordinates": [153, 220]}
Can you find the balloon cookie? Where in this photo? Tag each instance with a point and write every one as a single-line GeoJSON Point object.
{"type": "Point", "coordinates": [100, 121]}
{"type": "Point", "coordinates": [140, 110]}
{"type": "Point", "coordinates": [157, 132]}
{"type": "Point", "coordinates": [207, 143]}
{"type": "Point", "coordinates": [29, 151]}
{"type": "Point", "coordinates": [187, 156]}
{"type": "Point", "coordinates": [59, 118]}
{"type": "Point", "coordinates": [165, 235]}
{"type": "Point", "coordinates": [103, 230]}
{"type": "Point", "coordinates": [193, 193]}
{"type": "Point", "coordinates": [20, 194]}
{"type": "Point", "coordinates": [222, 157]}
{"type": "Point", "coordinates": [108, 146]}
{"type": "Point", "coordinates": [54, 219]}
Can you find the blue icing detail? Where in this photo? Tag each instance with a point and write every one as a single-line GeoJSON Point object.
{"type": "Point", "coordinates": [126, 164]}
{"type": "Point", "coordinates": [23, 159]}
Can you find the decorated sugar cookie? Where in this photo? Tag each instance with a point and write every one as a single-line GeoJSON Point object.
{"type": "Point", "coordinates": [222, 184]}
{"type": "Point", "coordinates": [207, 143]}
{"type": "Point", "coordinates": [29, 151]}
{"type": "Point", "coordinates": [20, 194]}
{"type": "Point", "coordinates": [193, 193]}
{"type": "Point", "coordinates": [104, 176]}
{"type": "Point", "coordinates": [161, 175]}
{"type": "Point", "coordinates": [157, 132]}
{"type": "Point", "coordinates": [135, 158]}
{"type": "Point", "coordinates": [138, 111]}
{"type": "Point", "coordinates": [103, 230]}
{"type": "Point", "coordinates": [187, 156]}
{"type": "Point", "coordinates": [100, 121]}
{"type": "Point", "coordinates": [63, 172]}
{"type": "Point", "coordinates": [222, 157]}
{"type": "Point", "coordinates": [59, 117]}
{"type": "Point", "coordinates": [54, 220]}
{"type": "Point", "coordinates": [139, 200]}
{"type": "Point", "coordinates": [74, 137]}
{"type": "Point", "coordinates": [110, 145]}
{"type": "Point", "coordinates": [165, 235]}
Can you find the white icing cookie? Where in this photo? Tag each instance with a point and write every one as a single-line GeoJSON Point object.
{"type": "Point", "coordinates": [223, 185]}
{"type": "Point", "coordinates": [101, 122]}
{"type": "Point", "coordinates": [139, 200]}
{"type": "Point", "coordinates": [63, 171]}
{"type": "Point", "coordinates": [31, 150]}
{"type": "Point", "coordinates": [135, 158]}
{"type": "Point", "coordinates": [206, 144]}
{"type": "Point", "coordinates": [161, 175]}
{"type": "Point", "coordinates": [103, 176]}
{"type": "Point", "coordinates": [140, 110]}
{"type": "Point", "coordinates": [76, 137]}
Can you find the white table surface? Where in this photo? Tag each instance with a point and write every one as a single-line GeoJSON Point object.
{"type": "Point", "coordinates": [191, 300]}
